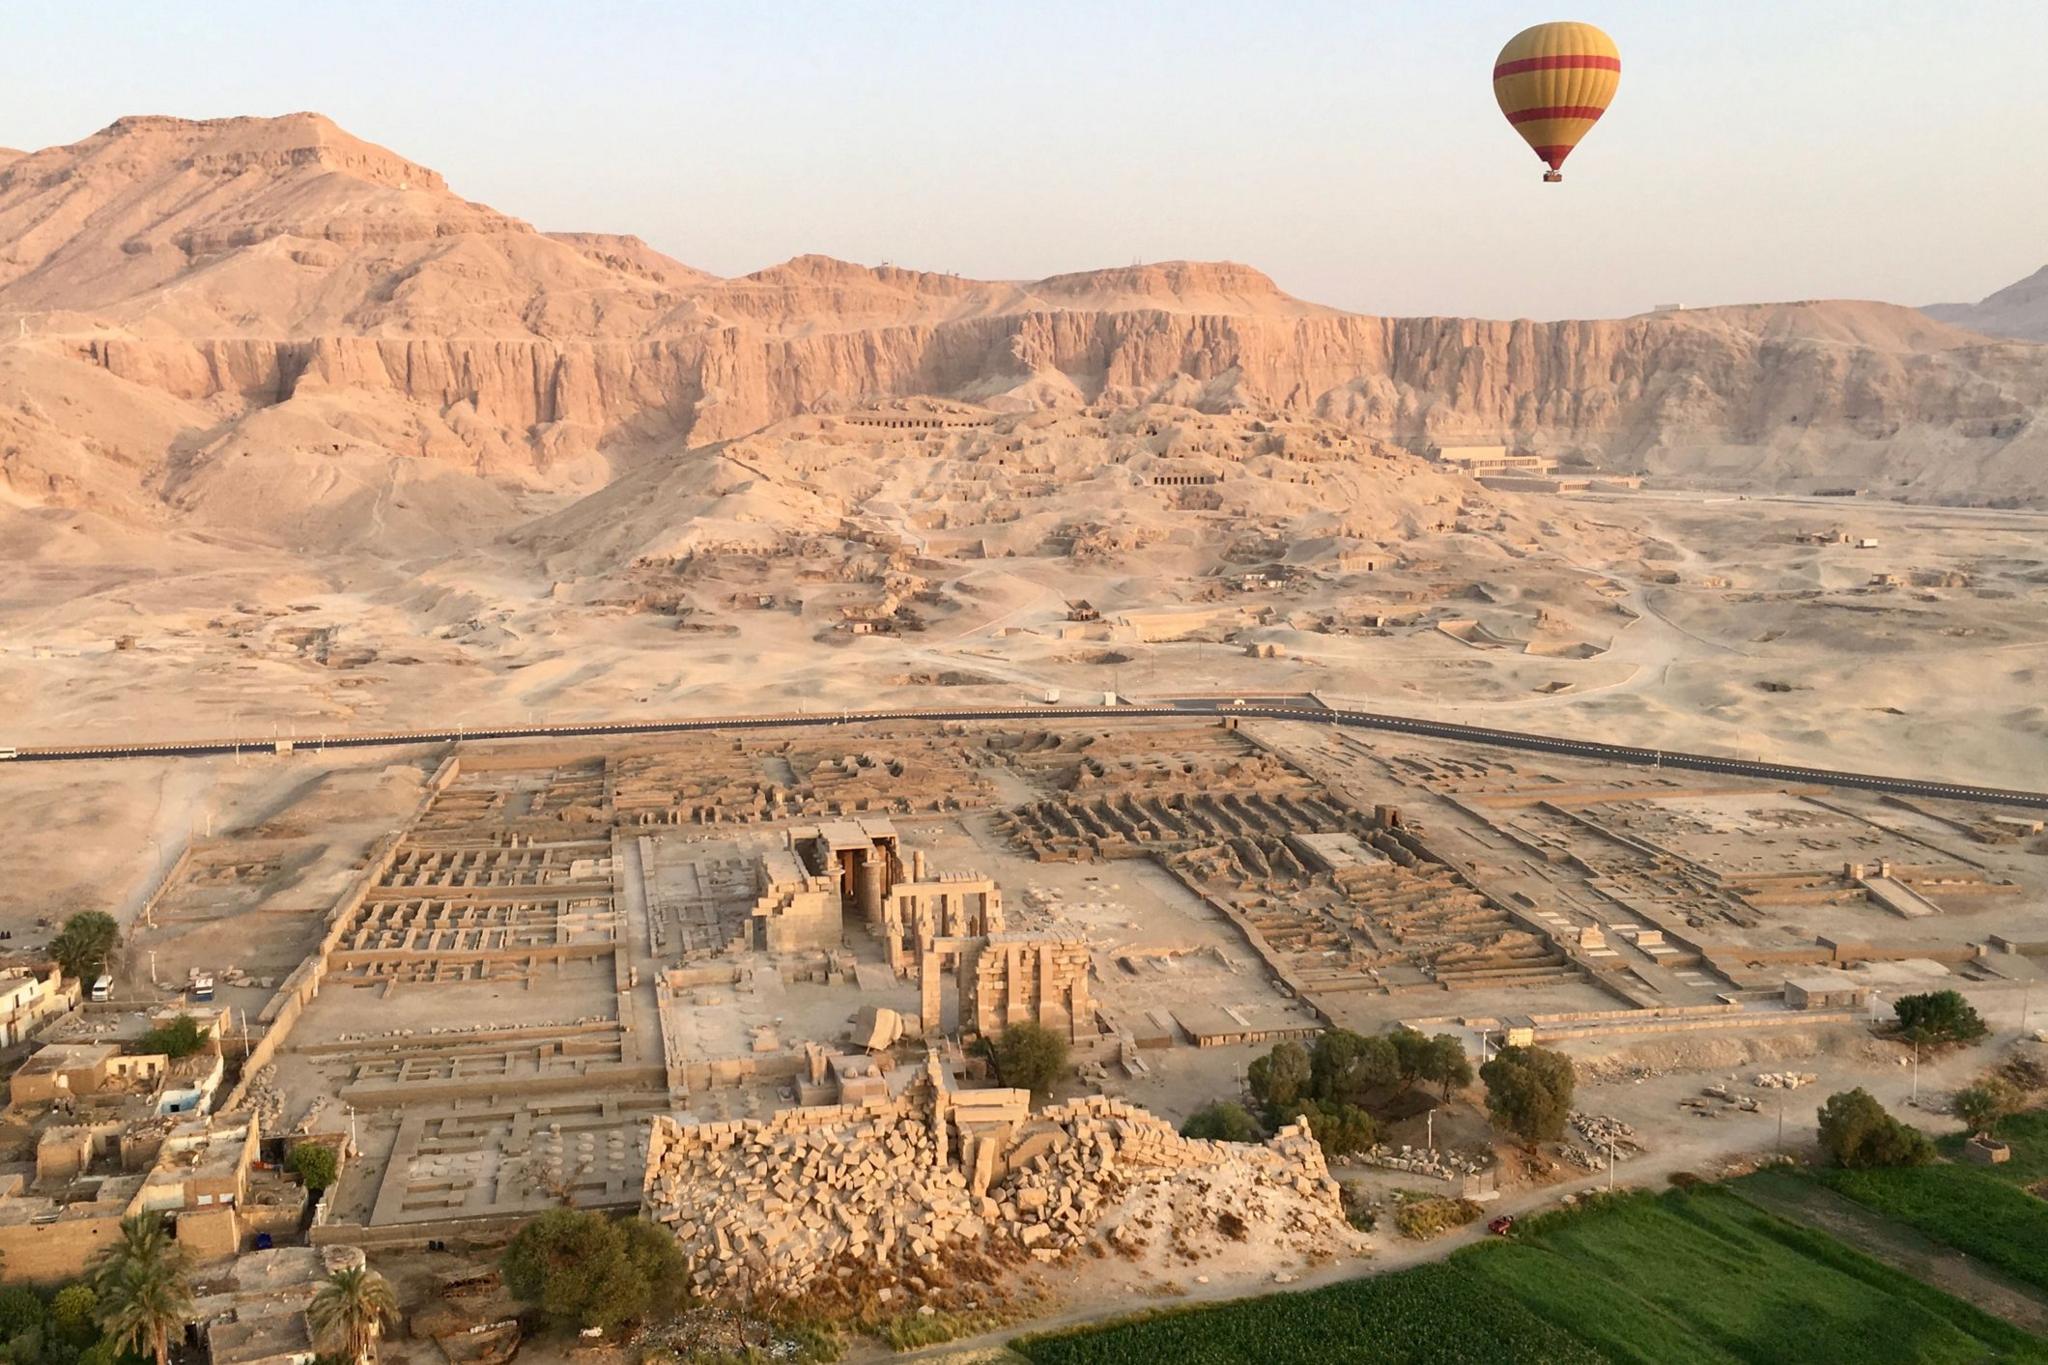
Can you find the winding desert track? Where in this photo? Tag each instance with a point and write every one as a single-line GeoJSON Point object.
{"type": "Point", "coordinates": [1525, 741]}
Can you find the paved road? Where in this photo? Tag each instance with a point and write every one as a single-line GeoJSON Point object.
{"type": "Point", "coordinates": [1263, 708]}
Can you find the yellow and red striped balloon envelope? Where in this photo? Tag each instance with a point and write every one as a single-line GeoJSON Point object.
{"type": "Point", "coordinates": [1554, 81]}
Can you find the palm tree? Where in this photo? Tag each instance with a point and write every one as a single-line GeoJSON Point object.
{"type": "Point", "coordinates": [350, 1309]}
{"type": "Point", "coordinates": [144, 1283]}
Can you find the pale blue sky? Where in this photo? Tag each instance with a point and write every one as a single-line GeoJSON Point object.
{"type": "Point", "coordinates": [1758, 149]}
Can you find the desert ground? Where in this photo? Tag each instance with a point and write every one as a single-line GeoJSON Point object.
{"type": "Point", "coordinates": [501, 966]}
{"type": "Point", "coordinates": [296, 444]}
{"type": "Point", "coordinates": [1663, 618]}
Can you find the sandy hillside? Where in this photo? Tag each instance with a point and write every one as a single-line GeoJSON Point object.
{"type": "Point", "coordinates": [293, 435]}
{"type": "Point", "coordinates": [2018, 310]}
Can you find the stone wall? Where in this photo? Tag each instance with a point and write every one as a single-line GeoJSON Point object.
{"type": "Point", "coordinates": [1015, 979]}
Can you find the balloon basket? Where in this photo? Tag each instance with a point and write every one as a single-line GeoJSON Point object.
{"type": "Point", "coordinates": [1553, 177]}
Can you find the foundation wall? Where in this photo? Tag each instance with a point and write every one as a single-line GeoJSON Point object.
{"type": "Point", "coordinates": [40, 1253]}
{"type": "Point", "coordinates": [281, 1014]}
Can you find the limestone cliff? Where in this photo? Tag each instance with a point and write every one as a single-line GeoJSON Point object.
{"type": "Point", "coordinates": [235, 265]}
{"type": "Point", "coordinates": [2018, 310]}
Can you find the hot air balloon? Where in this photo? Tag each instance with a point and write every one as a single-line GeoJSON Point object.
{"type": "Point", "coordinates": [1554, 81]}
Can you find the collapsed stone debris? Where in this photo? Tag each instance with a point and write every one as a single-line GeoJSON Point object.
{"type": "Point", "coordinates": [1604, 1132]}
{"type": "Point", "coordinates": [1782, 1080]}
{"type": "Point", "coordinates": [900, 1186]}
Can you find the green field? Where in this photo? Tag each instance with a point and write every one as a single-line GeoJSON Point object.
{"type": "Point", "coordinates": [1681, 1277]}
{"type": "Point", "coordinates": [1963, 1207]}
{"type": "Point", "coordinates": [2027, 1135]}
{"type": "Point", "coordinates": [1981, 1210]}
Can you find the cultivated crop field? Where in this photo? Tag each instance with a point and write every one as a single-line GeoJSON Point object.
{"type": "Point", "coordinates": [1986, 1211]}
{"type": "Point", "coordinates": [1695, 1276]}
{"type": "Point", "coordinates": [1433, 1315]}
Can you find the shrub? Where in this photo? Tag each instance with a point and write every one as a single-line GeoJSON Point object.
{"type": "Point", "coordinates": [180, 1038]}
{"type": "Point", "coordinates": [85, 943]}
{"type": "Point", "coordinates": [1529, 1092]}
{"type": "Point", "coordinates": [1857, 1133]}
{"type": "Point", "coordinates": [1423, 1219]}
{"type": "Point", "coordinates": [585, 1270]}
{"type": "Point", "coordinates": [1982, 1105]}
{"type": "Point", "coordinates": [315, 1164]}
{"type": "Point", "coordinates": [1222, 1121]}
{"type": "Point", "coordinates": [74, 1313]}
{"type": "Point", "coordinates": [1030, 1057]}
{"type": "Point", "coordinates": [21, 1310]}
{"type": "Point", "coordinates": [1938, 1017]}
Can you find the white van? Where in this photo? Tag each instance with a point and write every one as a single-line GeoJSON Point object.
{"type": "Point", "coordinates": [103, 989]}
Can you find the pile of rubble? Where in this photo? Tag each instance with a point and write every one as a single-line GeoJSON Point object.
{"type": "Point", "coordinates": [261, 1097]}
{"type": "Point", "coordinates": [1604, 1132]}
{"type": "Point", "coordinates": [1442, 1163]}
{"type": "Point", "coordinates": [1782, 1080]}
{"type": "Point", "coordinates": [912, 1185]}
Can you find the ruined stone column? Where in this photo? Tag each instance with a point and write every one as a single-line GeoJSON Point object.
{"type": "Point", "coordinates": [870, 880]}
{"type": "Point", "coordinates": [931, 1008]}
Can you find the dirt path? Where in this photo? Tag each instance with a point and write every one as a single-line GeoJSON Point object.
{"type": "Point", "coordinates": [1814, 1206]}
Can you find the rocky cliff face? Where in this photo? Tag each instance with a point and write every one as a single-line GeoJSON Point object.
{"type": "Point", "coordinates": [236, 265]}
{"type": "Point", "coordinates": [2018, 310]}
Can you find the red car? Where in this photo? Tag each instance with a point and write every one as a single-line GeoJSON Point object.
{"type": "Point", "coordinates": [1502, 1226]}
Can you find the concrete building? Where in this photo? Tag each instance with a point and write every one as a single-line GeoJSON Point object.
{"type": "Point", "coordinates": [1825, 992]}
{"type": "Point", "coordinates": [31, 999]}
{"type": "Point", "coordinates": [69, 1071]}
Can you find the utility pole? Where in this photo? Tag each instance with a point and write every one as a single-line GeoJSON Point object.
{"type": "Point", "coordinates": [1430, 1122]}
{"type": "Point", "coordinates": [149, 902]}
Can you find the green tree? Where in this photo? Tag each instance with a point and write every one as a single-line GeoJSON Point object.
{"type": "Point", "coordinates": [1857, 1132]}
{"type": "Point", "coordinates": [1280, 1077]}
{"type": "Point", "coordinates": [1529, 1092]}
{"type": "Point", "coordinates": [1344, 1065]}
{"type": "Point", "coordinates": [74, 1312]}
{"type": "Point", "coordinates": [1982, 1105]}
{"type": "Point", "coordinates": [178, 1039]}
{"type": "Point", "coordinates": [349, 1311]}
{"type": "Point", "coordinates": [1222, 1121]}
{"type": "Point", "coordinates": [1411, 1054]}
{"type": "Point", "coordinates": [1938, 1017]}
{"type": "Point", "coordinates": [584, 1270]}
{"type": "Point", "coordinates": [21, 1310]}
{"type": "Point", "coordinates": [1446, 1063]}
{"type": "Point", "coordinates": [86, 943]}
{"type": "Point", "coordinates": [143, 1282]}
{"type": "Point", "coordinates": [316, 1164]}
{"type": "Point", "coordinates": [1338, 1128]}
{"type": "Point", "coordinates": [652, 1250]}
{"type": "Point", "coordinates": [1029, 1057]}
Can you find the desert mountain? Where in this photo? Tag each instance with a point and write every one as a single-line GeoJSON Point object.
{"type": "Point", "coordinates": [241, 319]}
{"type": "Point", "coordinates": [2018, 310]}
